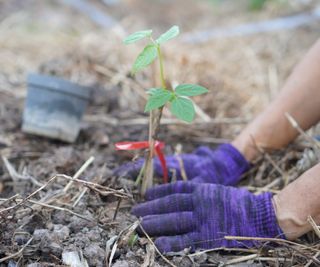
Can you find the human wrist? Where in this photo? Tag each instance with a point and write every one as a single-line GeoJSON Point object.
{"type": "Point", "coordinates": [297, 201]}
{"type": "Point", "coordinates": [290, 224]}
{"type": "Point", "coordinates": [246, 147]}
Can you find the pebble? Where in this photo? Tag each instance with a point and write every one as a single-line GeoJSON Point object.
{"type": "Point", "coordinates": [120, 263]}
{"type": "Point", "coordinates": [94, 255]}
{"type": "Point", "coordinates": [77, 224]}
{"type": "Point", "coordinates": [61, 231]}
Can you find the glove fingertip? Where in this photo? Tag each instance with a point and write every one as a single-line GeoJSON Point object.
{"type": "Point", "coordinates": [149, 195]}
{"type": "Point", "coordinates": [198, 179]}
{"type": "Point", "coordinates": [157, 191]}
{"type": "Point", "coordinates": [163, 245]}
{"type": "Point", "coordinates": [137, 211]}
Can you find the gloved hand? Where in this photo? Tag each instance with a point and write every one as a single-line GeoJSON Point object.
{"type": "Point", "coordinates": [186, 214]}
{"type": "Point", "coordinates": [224, 165]}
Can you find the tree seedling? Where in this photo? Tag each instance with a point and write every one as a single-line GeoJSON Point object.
{"type": "Point", "coordinates": [177, 99]}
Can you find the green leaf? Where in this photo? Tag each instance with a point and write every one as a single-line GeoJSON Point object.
{"type": "Point", "coordinates": [171, 33]}
{"type": "Point", "coordinates": [182, 108]}
{"type": "Point", "coordinates": [152, 91]}
{"type": "Point", "coordinates": [190, 90]}
{"type": "Point", "coordinates": [132, 38]}
{"type": "Point", "coordinates": [133, 239]}
{"type": "Point", "coordinates": [257, 4]}
{"type": "Point", "coordinates": [145, 58]}
{"type": "Point", "coordinates": [158, 98]}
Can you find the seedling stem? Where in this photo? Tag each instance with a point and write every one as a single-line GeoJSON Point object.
{"type": "Point", "coordinates": [178, 99]}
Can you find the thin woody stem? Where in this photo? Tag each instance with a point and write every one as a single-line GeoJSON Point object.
{"type": "Point", "coordinates": [154, 123]}
{"type": "Point", "coordinates": [163, 82]}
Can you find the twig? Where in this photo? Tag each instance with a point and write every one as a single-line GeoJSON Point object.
{"type": "Point", "coordinates": [312, 260]}
{"type": "Point", "coordinates": [101, 119]}
{"type": "Point", "coordinates": [274, 183]}
{"type": "Point", "coordinates": [15, 175]}
{"type": "Point", "coordinates": [298, 251]}
{"type": "Point", "coordinates": [130, 229]}
{"type": "Point", "coordinates": [182, 168]}
{"type": "Point", "coordinates": [109, 243]}
{"type": "Point", "coordinates": [296, 126]}
{"type": "Point", "coordinates": [204, 116]}
{"type": "Point", "coordinates": [181, 163]}
{"type": "Point", "coordinates": [259, 190]}
{"type": "Point", "coordinates": [79, 172]}
{"type": "Point", "coordinates": [5, 200]}
{"type": "Point", "coordinates": [224, 249]}
{"type": "Point", "coordinates": [241, 259]}
{"type": "Point", "coordinates": [314, 226]}
{"type": "Point", "coordinates": [17, 253]}
{"type": "Point", "coordinates": [157, 250]}
{"type": "Point", "coordinates": [140, 175]}
{"type": "Point", "coordinates": [147, 180]}
{"type": "Point", "coordinates": [164, 121]}
{"type": "Point", "coordinates": [266, 239]}
{"type": "Point", "coordinates": [113, 251]}
{"type": "Point", "coordinates": [272, 162]}
{"type": "Point", "coordinates": [267, 156]}
{"type": "Point", "coordinates": [80, 196]}
{"type": "Point", "coordinates": [117, 209]}
{"type": "Point", "coordinates": [144, 121]}
{"type": "Point", "coordinates": [209, 140]}
{"type": "Point", "coordinates": [97, 187]}
{"type": "Point", "coordinates": [149, 257]}
{"type": "Point", "coordinates": [59, 208]}
{"type": "Point", "coordinates": [270, 259]}
{"type": "Point", "coordinates": [30, 196]}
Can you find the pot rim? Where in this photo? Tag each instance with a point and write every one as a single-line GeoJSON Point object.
{"type": "Point", "coordinates": [58, 84]}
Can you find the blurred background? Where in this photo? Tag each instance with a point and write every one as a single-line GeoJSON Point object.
{"type": "Point", "coordinates": [241, 50]}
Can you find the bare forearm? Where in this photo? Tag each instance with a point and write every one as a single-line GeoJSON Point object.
{"type": "Point", "coordinates": [300, 97]}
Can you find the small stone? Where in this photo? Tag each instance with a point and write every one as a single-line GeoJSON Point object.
{"type": "Point", "coordinates": [94, 255]}
{"type": "Point", "coordinates": [85, 230]}
{"type": "Point", "coordinates": [130, 255]}
{"type": "Point", "coordinates": [61, 232]}
{"type": "Point", "coordinates": [60, 217]}
{"type": "Point", "coordinates": [94, 235]}
{"type": "Point", "coordinates": [55, 248]}
{"type": "Point", "coordinates": [81, 240]}
{"type": "Point", "coordinates": [49, 225]}
{"type": "Point", "coordinates": [183, 262]}
{"type": "Point", "coordinates": [12, 264]}
{"type": "Point", "coordinates": [200, 258]}
{"type": "Point", "coordinates": [77, 224]}
{"type": "Point", "coordinates": [72, 259]}
{"type": "Point", "coordinates": [39, 234]}
{"type": "Point", "coordinates": [35, 264]}
{"type": "Point", "coordinates": [120, 263]}
{"type": "Point", "coordinates": [49, 241]}
{"type": "Point", "coordinates": [20, 239]}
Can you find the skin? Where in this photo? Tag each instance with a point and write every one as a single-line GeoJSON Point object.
{"type": "Point", "coordinates": [300, 97]}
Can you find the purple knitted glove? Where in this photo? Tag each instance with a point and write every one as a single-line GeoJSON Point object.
{"type": "Point", "coordinates": [186, 214]}
{"type": "Point", "coordinates": [224, 165]}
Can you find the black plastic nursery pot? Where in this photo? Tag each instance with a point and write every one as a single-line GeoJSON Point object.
{"type": "Point", "coordinates": [54, 107]}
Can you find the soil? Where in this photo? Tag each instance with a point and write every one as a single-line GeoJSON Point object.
{"type": "Point", "coordinates": [90, 224]}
